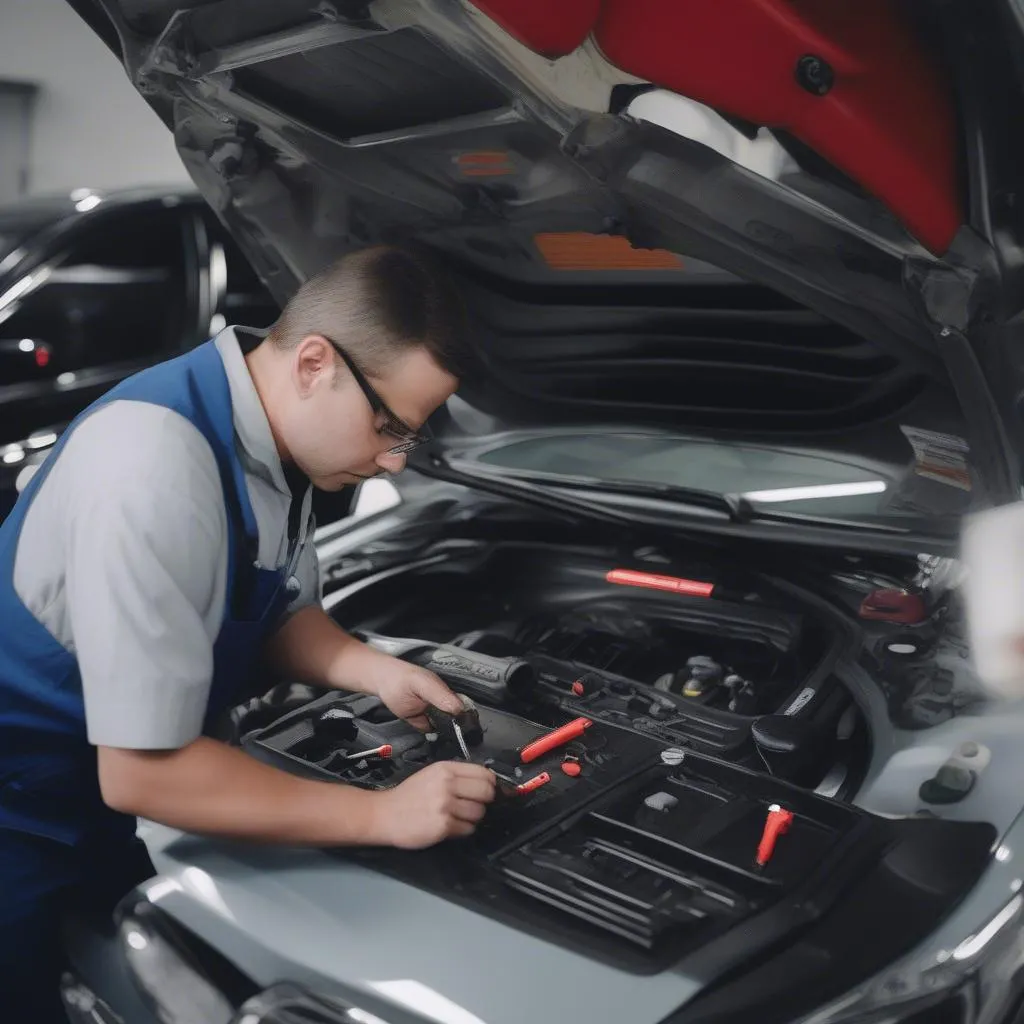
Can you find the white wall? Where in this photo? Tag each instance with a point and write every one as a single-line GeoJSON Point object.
{"type": "Point", "coordinates": [91, 128]}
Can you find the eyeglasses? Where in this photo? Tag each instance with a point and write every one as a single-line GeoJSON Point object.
{"type": "Point", "coordinates": [393, 425]}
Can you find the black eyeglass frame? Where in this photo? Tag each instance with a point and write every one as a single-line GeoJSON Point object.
{"type": "Point", "coordinates": [393, 425]}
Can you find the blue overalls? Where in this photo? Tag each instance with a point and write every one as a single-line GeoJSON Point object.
{"type": "Point", "coordinates": [59, 843]}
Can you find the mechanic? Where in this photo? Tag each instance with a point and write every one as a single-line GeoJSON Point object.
{"type": "Point", "coordinates": [165, 544]}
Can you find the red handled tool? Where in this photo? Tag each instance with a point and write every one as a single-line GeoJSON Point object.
{"type": "Point", "coordinates": [654, 581]}
{"type": "Point", "coordinates": [563, 734]}
{"type": "Point", "coordinates": [776, 824]}
{"type": "Point", "coordinates": [383, 752]}
{"type": "Point", "coordinates": [535, 783]}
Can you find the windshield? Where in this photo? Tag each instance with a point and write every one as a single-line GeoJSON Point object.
{"type": "Point", "coordinates": [777, 479]}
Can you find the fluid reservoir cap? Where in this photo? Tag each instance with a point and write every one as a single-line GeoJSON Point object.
{"type": "Point", "coordinates": [949, 785]}
{"type": "Point", "coordinates": [672, 756]}
{"type": "Point", "coordinates": [705, 669]}
{"type": "Point", "coordinates": [971, 755]}
{"type": "Point", "coordinates": [902, 649]}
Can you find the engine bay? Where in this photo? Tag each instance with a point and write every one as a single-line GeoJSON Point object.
{"type": "Point", "coordinates": [675, 751]}
{"type": "Point", "coordinates": [657, 740]}
{"type": "Point", "coordinates": [650, 850]}
{"type": "Point", "coordinates": [719, 661]}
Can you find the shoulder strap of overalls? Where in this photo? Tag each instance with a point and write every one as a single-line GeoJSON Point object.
{"type": "Point", "coordinates": [212, 413]}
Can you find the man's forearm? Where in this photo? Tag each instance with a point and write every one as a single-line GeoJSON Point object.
{"type": "Point", "coordinates": [210, 788]}
{"type": "Point", "coordinates": [313, 647]}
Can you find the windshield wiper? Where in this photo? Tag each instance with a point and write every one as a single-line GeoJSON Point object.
{"type": "Point", "coordinates": [524, 490]}
{"type": "Point", "coordinates": [737, 506]}
{"type": "Point", "coordinates": [734, 506]}
{"type": "Point", "coordinates": [609, 502]}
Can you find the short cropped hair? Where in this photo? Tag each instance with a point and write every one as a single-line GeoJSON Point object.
{"type": "Point", "coordinates": [378, 303]}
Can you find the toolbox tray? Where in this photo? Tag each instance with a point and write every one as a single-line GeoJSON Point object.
{"type": "Point", "coordinates": [606, 755]}
{"type": "Point", "coordinates": [675, 874]}
{"type": "Point", "coordinates": [591, 862]}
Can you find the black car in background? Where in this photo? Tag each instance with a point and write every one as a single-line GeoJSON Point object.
{"type": "Point", "coordinates": [95, 286]}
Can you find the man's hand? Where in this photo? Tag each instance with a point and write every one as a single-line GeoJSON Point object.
{"type": "Point", "coordinates": [443, 800]}
{"type": "Point", "coordinates": [312, 646]}
{"type": "Point", "coordinates": [212, 789]}
{"type": "Point", "coordinates": [407, 690]}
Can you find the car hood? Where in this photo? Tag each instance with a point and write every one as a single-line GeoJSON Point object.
{"type": "Point", "coordinates": [637, 247]}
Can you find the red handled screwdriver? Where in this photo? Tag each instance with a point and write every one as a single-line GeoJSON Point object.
{"type": "Point", "coordinates": [383, 751]}
{"type": "Point", "coordinates": [556, 738]}
{"type": "Point", "coordinates": [535, 783]}
{"type": "Point", "coordinates": [776, 824]}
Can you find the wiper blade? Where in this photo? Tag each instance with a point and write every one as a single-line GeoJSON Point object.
{"type": "Point", "coordinates": [734, 506]}
{"type": "Point", "coordinates": [642, 518]}
{"type": "Point", "coordinates": [523, 490]}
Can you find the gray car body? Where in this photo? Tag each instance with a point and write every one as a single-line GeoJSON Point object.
{"type": "Point", "coordinates": [405, 955]}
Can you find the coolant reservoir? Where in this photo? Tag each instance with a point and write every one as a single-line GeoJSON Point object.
{"type": "Point", "coordinates": [993, 557]}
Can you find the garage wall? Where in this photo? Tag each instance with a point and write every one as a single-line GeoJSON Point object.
{"type": "Point", "coordinates": [91, 128]}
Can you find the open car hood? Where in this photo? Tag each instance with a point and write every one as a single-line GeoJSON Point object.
{"type": "Point", "coordinates": [849, 281]}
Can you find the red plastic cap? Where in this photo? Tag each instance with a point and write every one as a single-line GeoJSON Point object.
{"type": "Point", "coordinates": [578, 688]}
{"type": "Point", "coordinates": [894, 606]}
{"type": "Point", "coordinates": [571, 768]}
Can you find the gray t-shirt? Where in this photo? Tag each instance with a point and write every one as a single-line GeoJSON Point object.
{"type": "Point", "coordinates": [123, 557]}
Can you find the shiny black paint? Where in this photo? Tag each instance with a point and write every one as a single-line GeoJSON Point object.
{"type": "Point", "coordinates": [210, 278]}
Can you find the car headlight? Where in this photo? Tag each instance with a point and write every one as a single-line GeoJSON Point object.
{"type": "Point", "coordinates": [979, 981]}
{"type": "Point", "coordinates": [289, 1004]}
{"type": "Point", "coordinates": [184, 979]}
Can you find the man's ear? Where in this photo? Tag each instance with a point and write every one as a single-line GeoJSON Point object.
{"type": "Point", "coordinates": [312, 363]}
